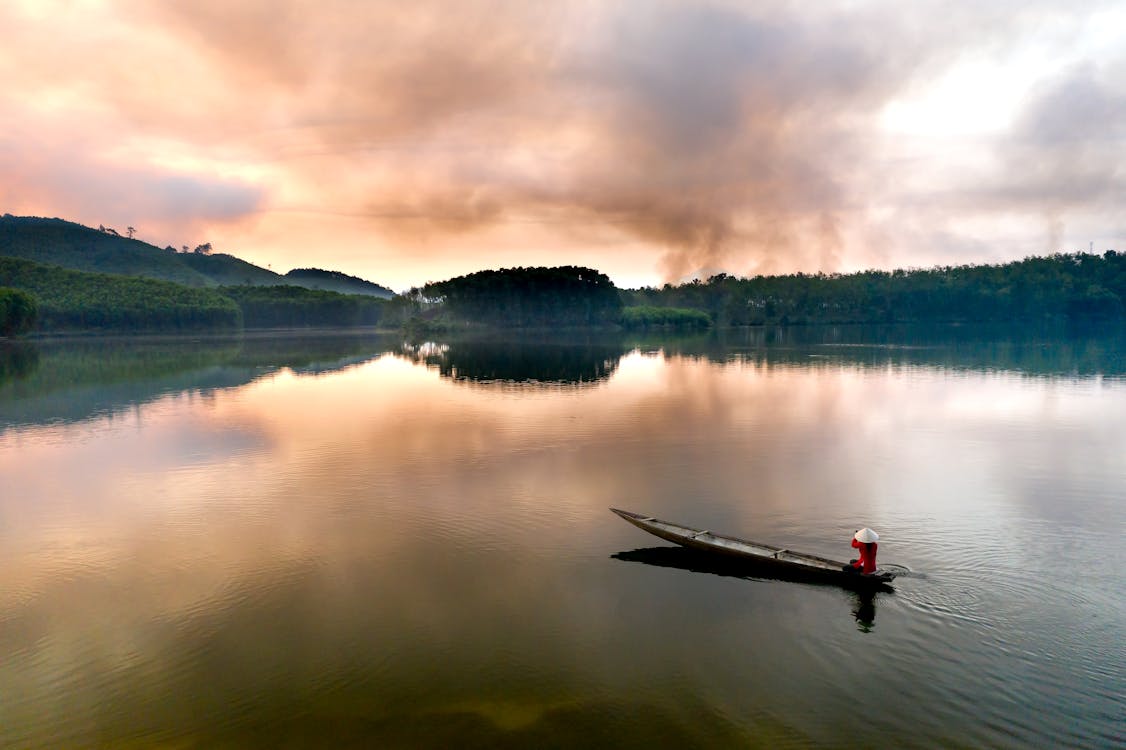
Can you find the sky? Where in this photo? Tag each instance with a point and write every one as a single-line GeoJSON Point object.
{"type": "Point", "coordinates": [657, 141]}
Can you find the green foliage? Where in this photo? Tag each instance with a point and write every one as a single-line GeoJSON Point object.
{"type": "Point", "coordinates": [227, 270]}
{"type": "Point", "coordinates": [646, 316]}
{"type": "Point", "coordinates": [74, 300]}
{"type": "Point", "coordinates": [18, 312]}
{"type": "Point", "coordinates": [1071, 286]}
{"type": "Point", "coordinates": [80, 248]}
{"type": "Point", "coordinates": [298, 307]}
{"type": "Point", "coordinates": [530, 297]}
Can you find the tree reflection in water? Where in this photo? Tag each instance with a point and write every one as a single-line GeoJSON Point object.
{"type": "Point", "coordinates": [576, 361]}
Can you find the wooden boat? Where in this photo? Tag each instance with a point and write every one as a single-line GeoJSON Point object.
{"type": "Point", "coordinates": [776, 560]}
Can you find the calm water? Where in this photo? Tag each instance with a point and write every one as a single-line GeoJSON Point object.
{"type": "Point", "coordinates": [352, 541]}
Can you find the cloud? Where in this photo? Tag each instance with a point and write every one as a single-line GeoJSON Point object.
{"type": "Point", "coordinates": [1056, 169]}
{"type": "Point", "coordinates": [1057, 155]}
{"type": "Point", "coordinates": [718, 136]}
{"type": "Point", "coordinates": [82, 185]}
{"type": "Point", "coordinates": [696, 128]}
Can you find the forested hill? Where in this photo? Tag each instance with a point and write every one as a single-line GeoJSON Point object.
{"type": "Point", "coordinates": [51, 299]}
{"type": "Point", "coordinates": [335, 281]}
{"type": "Point", "coordinates": [80, 248]}
{"type": "Point", "coordinates": [529, 297]}
{"type": "Point", "coordinates": [69, 300]}
{"type": "Point", "coordinates": [227, 270]}
{"type": "Point", "coordinates": [73, 246]}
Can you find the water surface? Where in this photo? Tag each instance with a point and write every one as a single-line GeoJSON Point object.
{"type": "Point", "coordinates": [368, 542]}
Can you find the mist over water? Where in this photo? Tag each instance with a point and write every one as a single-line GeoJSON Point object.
{"type": "Point", "coordinates": [352, 539]}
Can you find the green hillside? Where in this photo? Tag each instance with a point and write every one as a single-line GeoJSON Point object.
{"type": "Point", "coordinates": [70, 245]}
{"type": "Point", "coordinates": [76, 300]}
{"type": "Point", "coordinates": [227, 270]}
{"type": "Point", "coordinates": [74, 246]}
{"type": "Point", "coordinates": [297, 307]}
{"type": "Point", "coordinates": [335, 281]}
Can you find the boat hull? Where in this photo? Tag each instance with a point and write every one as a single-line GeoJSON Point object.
{"type": "Point", "coordinates": [777, 561]}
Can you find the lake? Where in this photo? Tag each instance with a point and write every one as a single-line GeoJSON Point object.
{"type": "Point", "coordinates": [355, 541]}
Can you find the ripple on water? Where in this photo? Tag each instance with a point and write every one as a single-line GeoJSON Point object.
{"type": "Point", "coordinates": [1001, 624]}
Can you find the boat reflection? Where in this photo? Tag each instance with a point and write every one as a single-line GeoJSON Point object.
{"type": "Point", "coordinates": [863, 600]}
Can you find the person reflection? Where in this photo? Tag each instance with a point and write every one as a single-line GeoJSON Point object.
{"type": "Point", "coordinates": [865, 611]}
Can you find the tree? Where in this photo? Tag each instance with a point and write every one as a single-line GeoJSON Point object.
{"type": "Point", "coordinates": [18, 312]}
{"type": "Point", "coordinates": [521, 297]}
{"type": "Point", "coordinates": [130, 231]}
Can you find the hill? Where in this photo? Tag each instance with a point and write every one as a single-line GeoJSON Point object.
{"type": "Point", "coordinates": [298, 307]}
{"type": "Point", "coordinates": [78, 300]}
{"type": "Point", "coordinates": [69, 300]}
{"type": "Point", "coordinates": [335, 281]}
{"type": "Point", "coordinates": [227, 270]}
{"type": "Point", "coordinates": [530, 297]}
{"type": "Point", "coordinates": [80, 248]}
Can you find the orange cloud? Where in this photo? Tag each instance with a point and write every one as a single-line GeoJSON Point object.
{"type": "Point", "coordinates": [410, 142]}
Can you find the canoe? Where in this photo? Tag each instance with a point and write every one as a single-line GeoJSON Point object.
{"type": "Point", "coordinates": [777, 560]}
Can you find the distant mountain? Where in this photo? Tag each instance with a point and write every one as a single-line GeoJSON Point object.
{"type": "Point", "coordinates": [335, 281]}
{"type": "Point", "coordinates": [80, 248]}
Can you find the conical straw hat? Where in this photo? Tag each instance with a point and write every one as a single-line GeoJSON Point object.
{"type": "Point", "coordinates": [866, 535]}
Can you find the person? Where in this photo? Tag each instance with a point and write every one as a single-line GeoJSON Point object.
{"type": "Point", "coordinates": [865, 541]}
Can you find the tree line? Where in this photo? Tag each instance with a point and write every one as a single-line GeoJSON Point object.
{"type": "Point", "coordinates": [1064, 285]}
{"type": "Point", "coordinates": [1061, 286]}
{"type": "Point", "coordinates": [77, 300]}
{"type": "Point", "coordinates": [528, 297]}
{"type": "Point", "coordinates": [297, 307]}
{"type": "Point", "coordinates": [51, 298]}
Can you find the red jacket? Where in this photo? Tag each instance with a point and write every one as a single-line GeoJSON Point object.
{"type": "Point", "coordinates": [867, 561]}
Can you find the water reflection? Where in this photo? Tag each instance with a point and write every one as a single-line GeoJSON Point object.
{"type": "Point", "coordinates": [363, 551]}
{"type": "Point", "coordinates": [69, 381]}
{"type": "Point", "coordinates": [1046, 349]}
{"type": "Point", "coordinates": [865, 611]}
{"type": "Point", "coordinates": [18, 360]}
{"type": "Point", "coordinates": [61, 381]}
{"type": "Point", "coordinates": [547, 360]}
